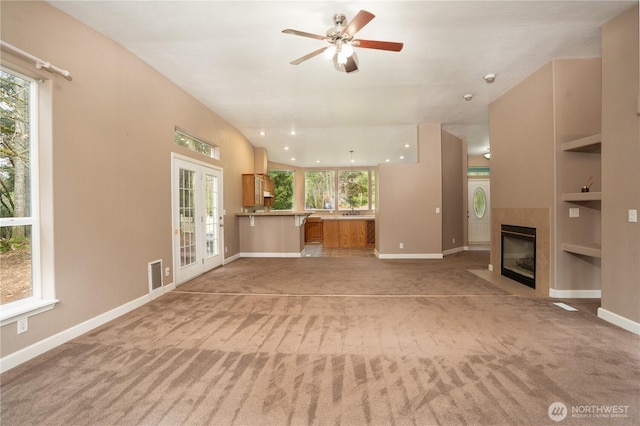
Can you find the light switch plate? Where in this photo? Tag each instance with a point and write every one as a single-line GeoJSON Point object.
{"type": "Point", "coordinates": [574, 212]}
{"type": "Point", "coordinates": [633, 215]}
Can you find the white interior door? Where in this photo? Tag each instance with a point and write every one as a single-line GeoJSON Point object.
{"type": "Point", "coordinates": [197, 219]}
{"type": "Point", "coordinates": [479, 228]}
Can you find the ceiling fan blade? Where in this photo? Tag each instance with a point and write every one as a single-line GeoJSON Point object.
{"type": "Point", "coordinates": [360, 20]}
{"type": "Point", "coordinates": [381, 45]}
{"type": "Point", "coordinates": [351, 64]}
{"type": "Point", "coordinates": [309, 55]}
{"type": "Point", "coordinates": [303, 34]}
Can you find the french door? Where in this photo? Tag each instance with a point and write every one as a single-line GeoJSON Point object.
{"type": "Point", "coordinates": [197, 218]}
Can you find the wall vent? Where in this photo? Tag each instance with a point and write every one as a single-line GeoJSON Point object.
{"type": "Point", "coordinates": [155, 276]}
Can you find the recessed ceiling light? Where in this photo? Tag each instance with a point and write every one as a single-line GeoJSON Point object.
{"type": "Point", "coordinates": [292, 133]}
{"type": "Point", "coordinates": [293, 158]}
{"type": "Point", "coordinates": [387, 160]}
{"type": "Point", "coordinates": [262, 133]}
{"type": "Point", "coordinates": [286, 148]}
{"type": "Point", "coordinates": [402, 157]}
{"type": "Point", "coordinates": [318, 161]}
{"type": "Point", "coordinates": [406, 145]}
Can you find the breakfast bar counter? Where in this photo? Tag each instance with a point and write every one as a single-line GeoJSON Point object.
{"type": "Point", "coordinates": [272, 234]}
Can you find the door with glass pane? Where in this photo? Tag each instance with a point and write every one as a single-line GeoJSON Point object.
{"type": "Point", "coordinates": [479, 223]}
{"type": "Point", "coordinates": [197, 219]}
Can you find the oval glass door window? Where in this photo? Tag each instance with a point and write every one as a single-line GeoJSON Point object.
{"type": "Point", "coordinates": [479, 203]}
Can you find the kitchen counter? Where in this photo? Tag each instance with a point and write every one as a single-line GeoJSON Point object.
{"type": "Point", "coordinates": [274, 213]}
{"type": "Point", "coordinates": [272, 234]}
{"type": "Point", "coordinates": [348, 217]}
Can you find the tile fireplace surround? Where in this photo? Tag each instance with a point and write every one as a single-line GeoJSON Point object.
{"type": "Point", "coordinates": [538, 218]}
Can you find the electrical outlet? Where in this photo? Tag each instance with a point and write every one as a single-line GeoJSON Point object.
{"type": "Point", "coordinates": [453, 241]}
{"type": "Point", "coordinates": [574, 212]}
{"type": "Point", "coordinates": [225, 249]}
{"type": "Point", "coordinates": [23, 325]}
{"type": "Point", "coordinates": [633, 215]}
{"type": "Point", "coordinates": [401, 245]}
{"type": "Point", "coordinates": [437, 209]}
{"type": "Point", "coordinates": [167, 271]}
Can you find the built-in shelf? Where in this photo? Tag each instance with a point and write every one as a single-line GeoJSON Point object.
{"type": "Point", "coordinates": [591, 144]}
{"type": "Point", "coordinates": [582, 196]}
{"type": "Point", "coordinates": [589, 249]}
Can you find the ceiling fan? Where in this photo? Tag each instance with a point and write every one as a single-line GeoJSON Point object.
{"type": "Point", "coordinates": [340, 38]}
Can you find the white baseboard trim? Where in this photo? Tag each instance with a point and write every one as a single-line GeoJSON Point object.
{"type": "Point", "coordinates": [478, 247]}
{"type": "Point", "coordinates": [618, 320]}
{"type": "Point", "coordinates": [230, 259]}
{"type": "Point", "coordinates": [272, 254]}
{"type": "Point", "coordinates": [23, 355]}
{"type": "Point", "coordinates": [453, 250]}
{"type": "Point", "coordinates": [411, 256]}
{"type": "Point", "coordinates": [575, 294]}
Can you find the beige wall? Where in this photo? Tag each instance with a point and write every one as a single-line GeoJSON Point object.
{"type": "Point", "coordinates": [109, 193]}
{"type": "Point", "coordinates": [528, 125]}
{"type": "Point", "coordinates": [408, 195]}
{"type": "Point", "coordinates": [522, 143]}
{"type": "Point", "coordinates": [577, 107]}
{"type": "Point", "coordinates": [522, 151]}
{"type": "Point", "coordinates": [620, 171]}
{"type": "Point", "coordinates": [276, 235]}
{"type": "Point", "coordinates": [454, 192]}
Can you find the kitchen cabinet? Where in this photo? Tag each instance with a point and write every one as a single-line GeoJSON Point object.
{"type": "Point", "coordinates": [345, 233]}
{"type": "Point", "coordinates": [257, 190]}
{"type": "Point", "coordinates": [313, 230]}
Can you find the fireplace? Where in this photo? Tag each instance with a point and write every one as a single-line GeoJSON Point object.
{"type": "Point", "coordinates": [518, 254]}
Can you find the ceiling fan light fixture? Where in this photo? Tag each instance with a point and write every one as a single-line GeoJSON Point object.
{"type": "Point", "coordinates": [346, 49]}
{"type": "Point", "coordinates": [330, 52]}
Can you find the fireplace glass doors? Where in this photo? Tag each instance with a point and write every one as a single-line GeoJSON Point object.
{"type": "Point", "coordinates": [519, 254]}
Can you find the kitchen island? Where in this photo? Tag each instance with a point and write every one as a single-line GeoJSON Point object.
{"type": "Point", "coordinates": [272, 234]}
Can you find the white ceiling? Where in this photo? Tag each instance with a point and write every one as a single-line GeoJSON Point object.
{"type": "Point", "coordinates": [233, 57]}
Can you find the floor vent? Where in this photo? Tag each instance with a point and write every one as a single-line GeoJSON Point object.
{"type": "Point", "coordinates": [155, 276]}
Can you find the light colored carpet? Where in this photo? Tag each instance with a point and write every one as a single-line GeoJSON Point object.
{"type": "Point", "coordinates": [201, 358]}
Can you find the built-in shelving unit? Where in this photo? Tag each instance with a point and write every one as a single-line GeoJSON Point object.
{"type": "Point", "coordinates": [591, 143]}
{"type": "Point", "coordinates": [591, 249]}
{"type": "Point", "coordinates": [577, 197]}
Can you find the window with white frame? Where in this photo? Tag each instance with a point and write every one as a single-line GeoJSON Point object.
{"type": "Point", "coordinates": [320, 189]}
{"type": "Point", "coordinates": [19, 212]}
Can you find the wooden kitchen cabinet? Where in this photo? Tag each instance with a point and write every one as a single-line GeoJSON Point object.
{"type": "Point", "coordinates": [353, 233]}
{"type": "Point", "coordinates": [254, 188]}
{"type": "Point", "coordinates": [313, 230]}
{"type": "Point", "coordinates": [348, 233]}
{"type": "Point", "coordinates": [331, 234]}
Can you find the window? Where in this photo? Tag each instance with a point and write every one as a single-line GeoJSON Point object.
{"type": "Point", "coordinates": [19, 253]}
{"type": "Point", "coordinates": [197, 145]}
{"type": "Point", "coordinates": [353, 187]}
{"type": "Point", "coordinates": [283, 182]}
{"type": "Point", "coordinates": [319, 190]}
